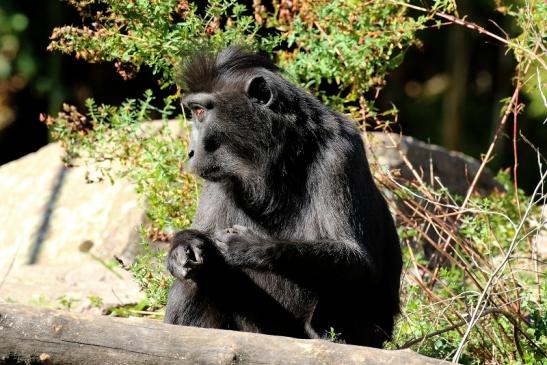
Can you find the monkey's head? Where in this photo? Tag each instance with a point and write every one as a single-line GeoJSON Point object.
{"type": "Point", "coordinates": [241, 114]}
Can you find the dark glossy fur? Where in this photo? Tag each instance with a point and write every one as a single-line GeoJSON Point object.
{"type": "Point", "coordinates": [292, 236]}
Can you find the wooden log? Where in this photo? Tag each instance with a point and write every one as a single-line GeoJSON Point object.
{"type": "Point", "coordinates": [36, 335]}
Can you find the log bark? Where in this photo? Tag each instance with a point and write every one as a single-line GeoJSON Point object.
{"type": "Point", "coordinates": [30, 335]}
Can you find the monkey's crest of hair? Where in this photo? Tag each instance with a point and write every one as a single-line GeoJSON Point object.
{"type": "Point", "coordinates": [202, 70]}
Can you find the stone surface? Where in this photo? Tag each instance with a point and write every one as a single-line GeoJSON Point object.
{"type": "Point", "coordinates": [47, 215]}
{"type": "Point", "coordinates": [70, 286]}
{"type": "Point", "coordinates": [454, 169]}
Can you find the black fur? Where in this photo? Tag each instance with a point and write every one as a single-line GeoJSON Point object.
{"type": "Point", "coordinates": [291, 236]}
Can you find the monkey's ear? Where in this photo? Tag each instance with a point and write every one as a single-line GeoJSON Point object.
{"type": "Point", "coordinates": [259, 91]}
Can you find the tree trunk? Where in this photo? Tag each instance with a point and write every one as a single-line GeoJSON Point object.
{"type": "Point", "coordinates": [31, 335]}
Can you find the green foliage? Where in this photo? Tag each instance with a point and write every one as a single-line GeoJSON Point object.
{"type": "Point", "coordinates": [95, 301]}
{"type": "Point", "coordinates": [349, 45]}
{"type": "Point", "coordinates": [156, 34]}
{"type": "Point", "coordinates": [40, 301]}
{"type": "Point", "coordinates": [121, 142]}
{"type": "Point", "coordinates": [530, 18]}
{"type": "Point", "coordinates": [149, 271]}
{"type": "Point", "coordinates": [66, 302]}
{"type": "Point", "coordinates": [333, 336]}
{"type": "Point", "coordinates": [132, 310]}
{"type": "Point", "coordinates": [439, 297]}
{"type": "Point", "coordinates": [491, 342]}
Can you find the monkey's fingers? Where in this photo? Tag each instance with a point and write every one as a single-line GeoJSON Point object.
{"type": "Point", "coordinates": [191, 265]}
{"type": "Point", "coordinates": [222, 239]}
{"type": "Point", "coordinates": [180, 271]}
{"type": "Point", "coordinates": [221, 245]}
{"type": "Point", "coordinates": [195, 256]}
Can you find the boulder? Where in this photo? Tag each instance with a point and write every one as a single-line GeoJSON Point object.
{"type": "Point", "coordinates": [58, 233]}
{"type": "Point", "coordinates": [453, 169]}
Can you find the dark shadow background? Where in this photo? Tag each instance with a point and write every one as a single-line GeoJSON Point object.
{"type": "Point", "coordinates": [448, 90]}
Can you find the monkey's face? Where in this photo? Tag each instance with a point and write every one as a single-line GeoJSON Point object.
{"type": "Point", "coordinates": [233, 134]}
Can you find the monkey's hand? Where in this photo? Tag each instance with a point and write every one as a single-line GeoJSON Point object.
{"type": "Point", "coordinates": [238, 245]}
{"type": "Point", "coordinates": [231, 236]}
{"type": "Point", "coordinates": [191, 252]}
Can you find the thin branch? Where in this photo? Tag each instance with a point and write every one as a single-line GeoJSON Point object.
{"type": "Point", "coordinates": [486, 312]}
{"type": "Point", "coordinates": [484, 295]}
{"type": "Point", "coordinates": [488, 154]}
{"type": "Point", "coordinates": [476, 28]}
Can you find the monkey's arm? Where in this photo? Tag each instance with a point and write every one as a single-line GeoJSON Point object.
{"type": "Point", "coordinates": [309, 261]}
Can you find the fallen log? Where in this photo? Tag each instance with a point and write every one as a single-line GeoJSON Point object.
{"type": "Point", "coordinates": [30, 335]}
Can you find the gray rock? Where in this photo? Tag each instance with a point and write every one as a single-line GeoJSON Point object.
{"type": "Point", "coordinates": [454, 169]}
{"type": "Point", "coordinates": [57, 232]}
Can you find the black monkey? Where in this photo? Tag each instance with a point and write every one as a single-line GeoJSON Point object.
{"type": "Point", "coordinates": [291, 236]}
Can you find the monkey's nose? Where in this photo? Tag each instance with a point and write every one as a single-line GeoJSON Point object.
{"type": "Point", "coordinates": [191, 154]}
{"type": "Point", "coordinates": [211, 144]}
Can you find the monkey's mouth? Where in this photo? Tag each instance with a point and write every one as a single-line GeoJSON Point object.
{"type": "Point", "coordinates": [213, 173]}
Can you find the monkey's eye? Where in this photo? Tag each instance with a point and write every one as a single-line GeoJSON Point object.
{"type": "Point", "coordinates": [199, 112]}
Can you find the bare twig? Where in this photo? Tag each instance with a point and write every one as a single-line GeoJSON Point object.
{"type": "Point", "coordinates": [515, 150]}
{"type": "Point", "coordinates": [479, 308]}
{"type": "Point", "coordinates": [488, 155]}
{"type": "Point", "coordinates": [477, 28]}
{"type": "Point", "coordinates": [486, 312]}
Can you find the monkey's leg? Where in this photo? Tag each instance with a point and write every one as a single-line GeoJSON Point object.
{"type": "Point", "coordinates": [269, 303]}
{"type": "Point", "coordinates": [244, 301]}
{"type": "Point", "coordinates": [188, 305]}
